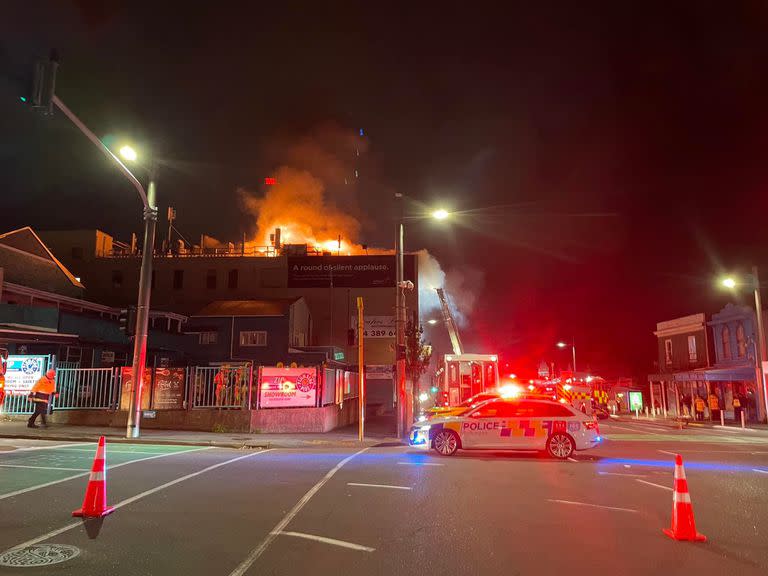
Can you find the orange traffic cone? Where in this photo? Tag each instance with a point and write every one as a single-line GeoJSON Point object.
{"type": "Point", "coordinates": [683, 525]}
{"type": "Point", "coordinates": [95, 501]}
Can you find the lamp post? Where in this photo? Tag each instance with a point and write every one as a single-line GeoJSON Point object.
{"type": "Point", "coordinates": [401, 286]}
{"type": "Point", "coordinates": [754, 282]}
{"type": "Point", "coordinates": [150, 220]}
{"type": "Point", "coordinates": [573, 351]}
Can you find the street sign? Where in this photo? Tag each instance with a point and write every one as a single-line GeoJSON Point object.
{"type": "Point", "coordinates": [287, 387]}
{"type": "Point", "coordinates": [22, 372]}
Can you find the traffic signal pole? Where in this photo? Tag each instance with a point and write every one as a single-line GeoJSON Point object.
{"type": "Point", "coordinates": [145, 281]}
{"type": "Point", "coordinates": [361, 369]}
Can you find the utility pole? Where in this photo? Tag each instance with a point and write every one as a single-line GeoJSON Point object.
{"type": "Point", "coordinates": [400, 323]}
{"type": "Point", "coordinates": [44, 98]}
{"type": "Point", "coordinates": [361, 369]}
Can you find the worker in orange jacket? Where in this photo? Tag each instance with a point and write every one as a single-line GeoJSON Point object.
{"type": "Point", "coordinates": [41, 394]}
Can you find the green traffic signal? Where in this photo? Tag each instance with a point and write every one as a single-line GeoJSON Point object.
{"type": "Point", "coordinates": [434, 389]}
{"type": "Point", "coordinates": [23, 99]}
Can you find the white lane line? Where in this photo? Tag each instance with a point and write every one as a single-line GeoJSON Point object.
{"type": "Point", "coordinates": [112, 451]}
{"type": "Point", "coordinates": [280, 526]}
{"type": "Point", "coordinates": [656, 485]}
{"type": "Point", "coordinates": [132, 499]}
{"type": "Point", "coordinates": [572, 459]}
{"type": "Point", "coordinates": [594, 506]}
{"type": "Point", "coordinates": [758, 470]}
{"type": "Point", "coordinates": [420, 464]}
{"type": "Point", "coordinates": [378, 486]}
{"type": "Point", "coordinates": [667, 452]}
{"type": "Point", "coordinates": [635, 430]}
{"type": "Point", "coordinates": [54, 447]}
{"type": "Point", "coordinates": [622, 474]}
{"type": "Point", "coordinates": [44, 467]}
{"type": "Point", "coordinates": [112, 467]}
{"type": "Point", "coordinates": [325, 540]}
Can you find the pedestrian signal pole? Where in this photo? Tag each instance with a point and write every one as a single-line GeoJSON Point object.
{"type": "Point", "coordinates": [360, 369]}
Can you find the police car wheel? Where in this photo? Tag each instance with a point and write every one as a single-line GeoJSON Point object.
{"type": "Point", "coordinates": [560, 446]}
{"type": "Point", "coordinates": [446, 442]}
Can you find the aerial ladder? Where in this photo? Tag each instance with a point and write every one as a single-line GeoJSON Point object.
{"type": "Point", "coordinates": [463, 375]}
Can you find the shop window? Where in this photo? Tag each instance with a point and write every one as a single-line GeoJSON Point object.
{"type": "Point", "coordinates": [692, 353]}
{"type": "Point", "coordinates": [207, 338]}
{"type": "Point", "coordinates": [741, 341]}
{"type": "Point", "coordinates": [725, 335]}
{"type": "Point", "coordinates": [668, 352]}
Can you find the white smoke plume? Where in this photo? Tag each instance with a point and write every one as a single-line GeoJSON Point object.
{"type": "Point", "coordinates": [461, 288]}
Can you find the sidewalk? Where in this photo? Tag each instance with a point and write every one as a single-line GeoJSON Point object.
{"type": "Point", "coordinates": [688, 423]}
{"type": "Point", "coordinates": [342, 438]}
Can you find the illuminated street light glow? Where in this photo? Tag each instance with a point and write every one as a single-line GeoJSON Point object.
{"type": "Point", "coordinates": [729, 282]}
{"type": "Point", "coordinates": [128, 153]}
{"type": "Point", "coordinates": [440, 214]}
{"type": "Point", "coordinates": [423, 397]}
{"type": "Point", "coordinates": [432, 321]}
{"type": "Point", "coordinates": [561, 344]}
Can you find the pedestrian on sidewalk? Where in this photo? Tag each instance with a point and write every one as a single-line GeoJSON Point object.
{"type": "Point", "coordinates": [41, 394]}
{"type": "Point", "coordinates": [737, 407]}
{"type": "Point", "coordinates": [714, 406]}
{"type": "Point", "coordinates": [700, 408]}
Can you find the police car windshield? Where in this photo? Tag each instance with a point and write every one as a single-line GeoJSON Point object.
{"type": "Point", "coordinates": [476, 400]}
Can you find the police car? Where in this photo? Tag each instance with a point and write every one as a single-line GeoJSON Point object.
{"type": "Point", "coordinates": [502, 424]}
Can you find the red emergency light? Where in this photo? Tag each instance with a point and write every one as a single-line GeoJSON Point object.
{"type": "Point", "coordinates": [269, 181]}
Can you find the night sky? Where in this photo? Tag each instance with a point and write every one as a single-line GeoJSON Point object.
{"type": "Point", "coordinates": [607, 160]}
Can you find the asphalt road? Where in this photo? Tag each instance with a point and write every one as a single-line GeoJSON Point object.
{"type": "Point", "coordinates": [390, 509]}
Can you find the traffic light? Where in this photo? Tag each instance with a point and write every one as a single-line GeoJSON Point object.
{"type": "Point", "coordinates": [444, 400]}
{"type": "Point", "coordinates": [41, 86]}
{"type": "Point", "coordinates": [433, 389]}
{"type": "Point", "coordinates": [127, 320]}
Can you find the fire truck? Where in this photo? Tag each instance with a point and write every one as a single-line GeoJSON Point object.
{"type": "Point", "coordinates": [585, 394]}
{"type": "Point", "coordinates": [462, 375]}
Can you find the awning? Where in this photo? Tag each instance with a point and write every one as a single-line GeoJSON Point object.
{"type": "Point", "coordinates": [732, 373]}
{"type": "Point", "coordinates": [11, 336]}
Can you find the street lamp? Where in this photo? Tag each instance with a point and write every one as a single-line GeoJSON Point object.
{"type": "Point", "coordinates": [562, 344]}
{"type": "Point", "coordinates": [402, 285]}
{"type": "Point", "coordinates": [142, 309]}
{"type": "Point", "coordinates": [432, 321]}
{"type": "Point", "coordinates": [753, 281]}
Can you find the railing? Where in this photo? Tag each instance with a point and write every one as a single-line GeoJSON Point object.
{"type": "Point", "coordinates": [17, 404]}
{"type": "Point", "coordinates": [220, 387]}
{"type": "Point", "coordinates": [86, 388]}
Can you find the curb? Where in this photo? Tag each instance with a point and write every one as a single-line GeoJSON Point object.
{"type": "Point", "coordinates": [217, 444]}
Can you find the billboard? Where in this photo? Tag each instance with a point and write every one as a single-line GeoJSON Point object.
{"type": "Point", "coordinates": [21, 373]}
{"type": "Point", "coordinates": [169, 389]}
{"type": "Point", "coordinates": [346, 271]}
{"type": "Point", "coordinates": [376, 326]}
{"type": "Point", "coordinates": [127, 388]}
{"type": "Point", "coordinates": [287, 387]}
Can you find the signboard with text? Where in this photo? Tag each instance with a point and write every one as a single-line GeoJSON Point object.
{"type": "Point", "coordinates": [127, 388]}
{"type": "Point", "coordinates": [346, 271]}
{"type": "Point", "coordinates": [377, 326]}
{"type": "Point", "coordinates": [21, 373]}
{"type": "Point", "coordinates": [287, 387]}
{"type": "Point", "coordinates": [169, 389]}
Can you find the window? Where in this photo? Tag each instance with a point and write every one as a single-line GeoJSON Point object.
{"type": "Point", "coordinates": [210, 280]}
{"type": "Point", "coordinates": [117, 279]}
{"type": "Point", "coordinates": [232, 279]}
{"type": "Point", "coordinates": [741, 341]}
{"type": "Point", "coordinates": [668, 352]}
{"type": "Point", "coordinates": [692, 354]}
{"type": "Point", "coordinates": [254, 338]}
{"type": "Point", "coordinates": [206, 338]}
{"type": "Point", "coordinates": [725, 336]}
{"type": "Point", "coordinates": [77, 252]}
{"type": "Point", "coordinates": [178, 279]}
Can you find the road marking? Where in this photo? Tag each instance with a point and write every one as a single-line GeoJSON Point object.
{"type": "Point", "coordinates": [656, 485]}
{"type": "Point", "coordinates": [112, 451]}
{"type": "Point", "coordinates": [280, 526]}
{"type": "Point", "coordinates": [54, 447]}
{"type": "Point", "coordinates": [52, 482]}
{"type": "Point", "coordinates": [378, 486]}
{"type": "Point", "coordinates": [758, 470]}
{"type": "Point", "coordinates": [325, 540]}
{"type": "Point", "coordinates": [621, 474]}
{"type": "Point", "coordinates": [420, 464]}
{"type": "Point", "coordinates": [43, 467]}
{"type": "Point", "coordinates": [667, 452]}
{"type": "Point", "coordinates": [594, 506]}
{"type": "Point", "coordinates": [572, 459]}
{"type": "Point", "coordinates": [634, 430]}
{"type": "Point", "coordinates": [132, 499]}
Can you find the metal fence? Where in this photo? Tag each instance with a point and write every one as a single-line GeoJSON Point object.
{"type": "Point", "coordinates": [221, 386]}
{"type": "Point", "coordinates": [86, 388]}
{"type": "Point", "coordinates": [78, 388]}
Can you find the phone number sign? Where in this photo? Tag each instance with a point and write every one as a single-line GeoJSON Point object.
{"type": "Point", "coordinates": [378, 326]}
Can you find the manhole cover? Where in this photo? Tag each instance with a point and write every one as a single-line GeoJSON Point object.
{"type": "Point", "coordinates": [38, 555]}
